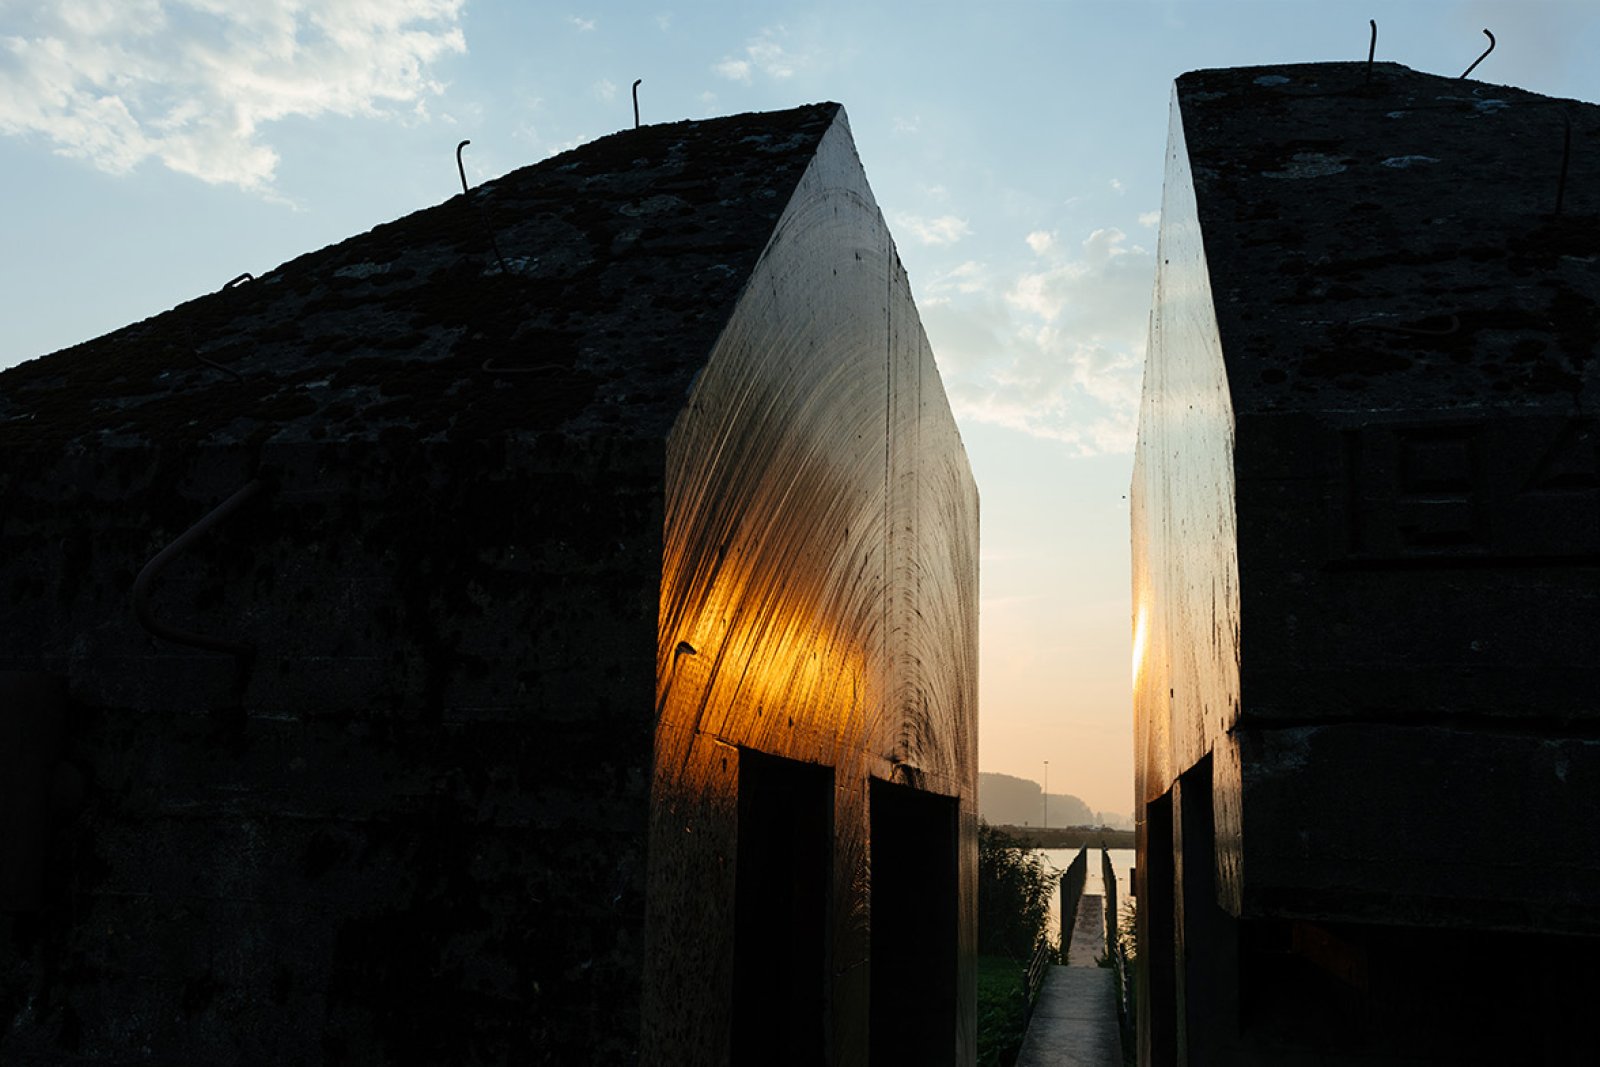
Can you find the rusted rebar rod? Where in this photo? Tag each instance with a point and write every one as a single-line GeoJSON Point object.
{"type": "Point", "coordinates": [147, 577]}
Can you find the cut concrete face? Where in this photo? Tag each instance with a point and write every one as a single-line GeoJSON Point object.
{"type": "Point", "coordinates": [1367, 514]}
{"type": "Point", "coordinates": [818, 592]}
{"type": "Point", "coordinates": [567, 492]}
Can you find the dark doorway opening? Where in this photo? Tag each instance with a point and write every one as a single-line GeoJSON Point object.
{"type": "Point", "coordinates": [783, 878]}
{"type": "Point", "coordinates": [1158, 1007]}
{"type": "Point", "coordinates": [914, 923]}
{"type": "Point", "coordinates": [1206, 1012]}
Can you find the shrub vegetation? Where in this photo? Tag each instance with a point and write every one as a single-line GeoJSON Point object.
{"type": "Point", "coordinates": [1014, 888]}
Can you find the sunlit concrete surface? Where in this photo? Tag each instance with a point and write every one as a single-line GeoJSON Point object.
{"type": "Point", "coordinates": [819, 604]}
{"type": "Point", "coordinates": [568, 653]}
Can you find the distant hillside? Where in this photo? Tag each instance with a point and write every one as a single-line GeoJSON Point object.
{"type": "Point", "coordinates": [1007, 800]}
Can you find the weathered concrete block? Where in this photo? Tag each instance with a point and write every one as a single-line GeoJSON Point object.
{"type": "Point", "coordinates": [1366, 509]}
{"type": "Point", "coordinates": [536, 549]}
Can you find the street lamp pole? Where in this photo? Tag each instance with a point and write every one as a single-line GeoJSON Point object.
{"type": "Point", "coordinates": [1047, 794]}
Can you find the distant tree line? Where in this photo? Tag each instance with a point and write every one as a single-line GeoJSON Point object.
{"type": "Point", "coordinates": [1069, 837]}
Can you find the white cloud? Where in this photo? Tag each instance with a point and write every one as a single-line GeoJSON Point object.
{"type": "Point", "coordinates": [762, 54]}
{"type": "Point", "coordinates": [1055, 351]}
{"type": "Point", "coordinates": [944, 230]}
{"type": "Point", "coordinates": [580, 24]}
{"type": "Point", "coordinates": [191, 83]}
{"type": "Point", "coordinates": [1116, 185]}
{"type": "Point", "coordinates": [968, 277]}
{"type": "Point", "coordinates": [664, 22]}
{"type": "Point", "coordinates": [737, 70]}
{"type": "Point", "coordinates": [1045, 382]}
{"type": "Point", "coordinates": [907, 125]}
{"type": "Point", "coordinates": [1106, 243]}
{"type": "Point", "coordinates": [1150, 219]}
{"type": "Point", "coordinates": [558, 147]}
{"type": "Point", "coordinates": [1118, 275]}
{"type": "Point", "coordinates": [605, 89]}
{"type": "Point", "coordinates": [769, 56]}
{"type": "Point", "coordinates": [1041, 241]}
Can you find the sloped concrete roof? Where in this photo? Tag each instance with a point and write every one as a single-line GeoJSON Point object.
{"type": "Point", "coordinates": [610, 271]}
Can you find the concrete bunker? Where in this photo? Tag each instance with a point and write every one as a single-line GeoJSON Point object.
{"type": "Point", "coordinates": [603, 523]}
{"type": "Point", "coordinates": [1365, 535]}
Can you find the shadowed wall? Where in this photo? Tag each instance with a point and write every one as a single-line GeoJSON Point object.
{"type": "Point", "coordinates": [1366, 529]}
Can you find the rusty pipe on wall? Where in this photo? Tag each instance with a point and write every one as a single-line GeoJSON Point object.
{"type": "Point", "coordinates": [147, 577]}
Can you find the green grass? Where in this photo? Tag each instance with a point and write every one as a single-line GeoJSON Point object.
{"type": "Point", "coordinates": [1002, 1009]}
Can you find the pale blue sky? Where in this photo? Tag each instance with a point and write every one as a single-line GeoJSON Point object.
{"type": "Point", "coordinates": [152, 149]}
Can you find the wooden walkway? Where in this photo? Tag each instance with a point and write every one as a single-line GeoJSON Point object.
{"type": "Point", "coordinates": [1074, 1022]}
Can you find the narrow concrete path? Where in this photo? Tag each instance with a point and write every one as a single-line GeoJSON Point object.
{"type": "Point", "coordinates": [1088, 942]}
{"type": "Point", "coordinates": [1074, 1023]}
